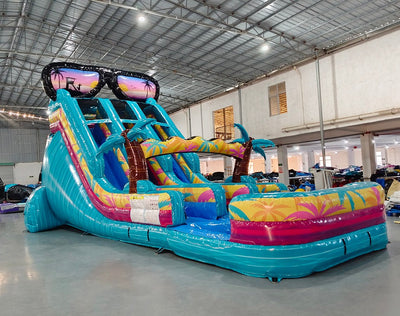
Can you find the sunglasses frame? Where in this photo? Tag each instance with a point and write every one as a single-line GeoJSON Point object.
{"type": "Point", "coordinates": [106, 75]}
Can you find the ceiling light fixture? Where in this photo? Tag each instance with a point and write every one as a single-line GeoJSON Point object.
{"type": "Point", "coordinates": [265, 47]}
{"type": "Point", "coordinates": [141, 18]}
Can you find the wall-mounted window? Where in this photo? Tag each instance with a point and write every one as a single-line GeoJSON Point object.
{"type": "Point", "coordinates": [223, 123]}
{"type": "Point", "coordinates": [277, 99]}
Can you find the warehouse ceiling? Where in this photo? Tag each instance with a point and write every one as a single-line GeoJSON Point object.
{"type": "Point", "coordinates": [195, 49]}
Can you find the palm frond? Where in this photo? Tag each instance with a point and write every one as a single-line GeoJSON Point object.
{"type": "Point", "coordinates": [143, 123]}
{"type": "Point", "coordinates": [259, 150]}
{"type": "Point", "coordinates": [111, 142]}
{"type": "Point", "coordinates": [243, 132]}
{"type": "Point", "coordinates": [137, 131]}
{"type": "Point", "coordinates": [134, 134]}
{"type": "Point", "coordinates": [263, 143]}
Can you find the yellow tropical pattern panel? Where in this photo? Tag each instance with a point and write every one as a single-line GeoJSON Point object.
{"type": "Point", "coordinates": [305, 206]}
{"type": "Point", "coordinates": [153, 147]}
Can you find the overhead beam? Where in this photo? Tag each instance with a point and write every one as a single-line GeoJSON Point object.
{"type": "Point", "coordinates": [225, 28]}
{"type": "Point", "coordinates": [5, 106]}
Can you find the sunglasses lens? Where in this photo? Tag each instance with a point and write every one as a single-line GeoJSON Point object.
{"type": "Point", "coordinates": [136, 88]}
{"type": "Point", "coordinates": [77, 82]}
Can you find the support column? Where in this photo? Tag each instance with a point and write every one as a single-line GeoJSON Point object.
{"type": "Point", "coordinates": [386, 156]}
{"type": "Point", "coordinates": [240, 106]}
{"type": "Point", "coordinates": [321, 117]}
{"type": "Point", "coordinates": [190, 122]}
{"type": "Point", "coordinates": [38, 158]}
{"type": "Point", "coordinates": [201, 119]}
{"type": "Point", "coordinates": [368, 155]}
{"type": "Point", "coordinates": [267, 163]}
{"type": "Point", "coordinates": [350, 156]}
{"type": "Point", "coordinates": [228, 166]}
{"type": "Point", "coordinates": [310, 160]}
{"type": "Point", "coordinates": [304, 161]}
{"type": "Point", "coordinates": [283, 165]}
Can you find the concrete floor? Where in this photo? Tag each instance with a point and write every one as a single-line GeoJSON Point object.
{"type": "Point", "coordinates": [64, 272]}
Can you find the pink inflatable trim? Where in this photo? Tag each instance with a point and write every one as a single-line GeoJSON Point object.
{"type": "Point", "coordinates": [304, 231]}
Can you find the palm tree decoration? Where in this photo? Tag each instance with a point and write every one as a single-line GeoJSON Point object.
{"type": "Point", "coordinates": [242, 165]}
{"type": "Point", "coordinates": [57, 73]}
{"type": "Point", "coordinates": [206, 145]}
{"type": "Point", "coordinates": [136, 159]}
{"type": "Point", "coordinates": [154, 145]}
{"type": "Point", "coordinates": [147, 87]}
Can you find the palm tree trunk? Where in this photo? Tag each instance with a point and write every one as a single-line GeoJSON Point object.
{"type": "Point", "coordinates": [242, 165]}
{"type": "Point", "coordinates": [136, 161]}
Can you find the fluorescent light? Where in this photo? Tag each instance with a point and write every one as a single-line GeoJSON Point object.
{"type": "Point", "coordinates": [23, 115]}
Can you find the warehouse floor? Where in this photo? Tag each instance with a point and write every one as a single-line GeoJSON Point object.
{"type": "Point", "coordinates": [65, 272]}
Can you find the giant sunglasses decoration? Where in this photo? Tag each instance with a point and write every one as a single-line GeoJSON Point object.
{"type": "Point", "coordinates": [86, 81]}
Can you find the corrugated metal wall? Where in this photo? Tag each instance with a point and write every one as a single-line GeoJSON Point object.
{"type": "Point", "coordinates": [20, 145]}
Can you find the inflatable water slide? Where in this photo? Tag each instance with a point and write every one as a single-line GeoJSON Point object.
{"type": "Point", "coordinates": [119, 168]}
